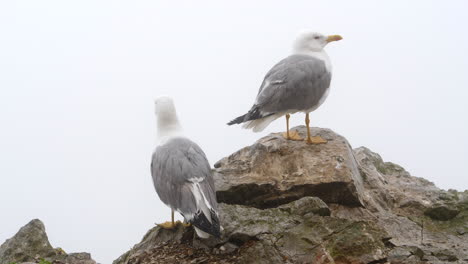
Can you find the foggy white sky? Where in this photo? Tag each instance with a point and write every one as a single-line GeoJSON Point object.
{"type": "Point", "coordinates": [78, 79]}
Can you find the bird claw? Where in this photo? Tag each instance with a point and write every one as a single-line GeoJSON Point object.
{"type": "Point", "coordinates": [293, 135]}
{"type": "Point", "coordinates": [316, 140]}
{"type": "Point", "coordinates": [172, 225]}
{"type": "Point", "coordinates": [168, 225]}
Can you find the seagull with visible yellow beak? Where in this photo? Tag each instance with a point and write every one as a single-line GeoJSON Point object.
{"type": "Point", "coordinates": [298, 83]}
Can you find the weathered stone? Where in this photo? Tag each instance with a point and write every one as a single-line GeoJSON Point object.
{"type": "Point", "coordinates": [402, 205]}
{"type": "Point", "coordinates": [31, 244]}
{"type": "Point", "coordinates": [399, 255]}
{"type": "Point", "coordinates": [260, 253]}
{"type": "Point", "coordinates": [78, 258]}
{"type": "Point", "coordinates": [157, 236]}
{"type": "Point", "coordinates": [292, 233]}
{"type": "Point", "coordinates": [445, 255]}
{"type": "Point", "coordinates": [442, 213]}
{"type": "Point", "coordinates": [308, 205]}
{"type": "Point", "coordinates": [388, 186]}
{"type": "Point", "coordinates": [228, 248]}
{"type": "Point", "coordinates": [359, 242]}
{"type": "Point", "coordinates": [273, 210]}
{"type": "Point", "coordinates": [275, 171]}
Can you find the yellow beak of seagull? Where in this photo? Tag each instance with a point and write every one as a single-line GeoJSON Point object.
{"type": "Point", "coordinates": [333, 38]}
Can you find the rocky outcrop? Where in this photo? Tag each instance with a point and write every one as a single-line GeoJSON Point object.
{"type": "Point", "coordinates": [275, 171]}
{"type": "Point", "coordinates": [288, 202]}
{"type": "Point", "coordinates": [31, 245]}
{"type": "Point", "coordinates": [296, 232]}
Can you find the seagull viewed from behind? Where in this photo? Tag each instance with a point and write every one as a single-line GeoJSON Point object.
{"type": "Point", "coordinates": [298, 83]}
{"type": "Point", "coordinates": [182, 175]}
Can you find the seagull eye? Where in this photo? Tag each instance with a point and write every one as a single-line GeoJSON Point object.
{"type": "Point", "coordinates": [316, 37]}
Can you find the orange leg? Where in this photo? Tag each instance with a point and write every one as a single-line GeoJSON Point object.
{"type": "Point", "coordinates": [169, 225]}
{"type": "Point", "coordinates": [312, 140]}
{"type": "Point", "coordinates": [293, 135]}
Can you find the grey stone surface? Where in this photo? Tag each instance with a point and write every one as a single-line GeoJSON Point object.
{"type": "Point", "coordinates": [31, 244]}
{"type": "Point", "coordinates": [274, 235]}
{"type": "Point", "coordinates": [275, 171]}
{"type": "Point", "coordinates": [288, 202]}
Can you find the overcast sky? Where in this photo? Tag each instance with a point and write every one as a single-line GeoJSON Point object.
{"type": "Point", "coordinates": [78, 79]}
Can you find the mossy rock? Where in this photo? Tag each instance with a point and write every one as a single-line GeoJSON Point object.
{"type": "Point", "coordinates": [30, 241]}
{"type": "Point", "coordinates": [356, 241]}
{"type": "Point", "coordinates": [442, 213]}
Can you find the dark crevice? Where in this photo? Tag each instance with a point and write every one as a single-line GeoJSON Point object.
{"type": "Point", "coordinates": [308, 241]}
{"type": "Point", "coordinates": [384, 260]}
{"type": "Point", "coordinates": [187, 236]}
{"type": "Point", "coordinates": [268, 196]}
{"type": "Point", "coordinates": [386, 241]}
{"type": "Point", "coordinates": [241, 239]}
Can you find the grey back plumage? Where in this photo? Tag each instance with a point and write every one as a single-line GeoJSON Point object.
{"type": "Point", "coordinates": [298, 82]}
{"type": "Point", "coordinates": [175, 166]}
{"type": "Point", "coordinates": [183, 180]}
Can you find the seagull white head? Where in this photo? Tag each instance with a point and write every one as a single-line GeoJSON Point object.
{"type": "Point", "coordinates": [168, 122]}
{"type": "Point", "coordinates": [309, 41]}
{"type": "Point", "coordinates": [164, 106]}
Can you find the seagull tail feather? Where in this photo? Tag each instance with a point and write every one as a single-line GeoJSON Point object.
{"type": "Point", "coordinates": [237, 120]}
{"type": "Point", "coordinates": [259, 125]}
{"type": "Point", "coordinates": [201, 222]}
{"type": "Point", "coordinates": [253, 114]}
{"type": "Point", "coordinates": [201, 233]}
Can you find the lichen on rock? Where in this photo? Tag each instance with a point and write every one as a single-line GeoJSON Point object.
{"type": "Point", "coordinates": [275, 171]}
{"type": "Point", "coordinates": [289, 202]}
{"type": "Point", "coordinates": [31, 245]}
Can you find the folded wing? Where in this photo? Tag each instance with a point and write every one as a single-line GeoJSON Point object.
{"type": "Point", "coordinates": [183, 180]}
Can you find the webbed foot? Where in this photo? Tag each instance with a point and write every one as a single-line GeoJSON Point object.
{"type": "Point", "coordinates": [316, 140]}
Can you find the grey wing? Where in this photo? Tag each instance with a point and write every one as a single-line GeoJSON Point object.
{"type": "Point", "coordinates": [177, 168]}
{"type": "Point", "coordinates": [296, 83]}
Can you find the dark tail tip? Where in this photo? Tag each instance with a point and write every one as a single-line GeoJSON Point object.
{"type": "Point", "coordinates": [237, 120]}
{"type": "Point", "coordinates": [212, 228]}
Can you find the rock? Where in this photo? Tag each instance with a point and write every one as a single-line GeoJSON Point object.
{"type": "Point", "coordinates": [78, 258]}
{"type": "Point", "coordinates": [156, 236]}
{"type": "Point", "coordinates": [288, 202]}
{"type": "Point", "coordinates": [461, 231]}
{"type": "Point", "coordinates": [262, 253]}
{"type": "Point", "coordinates": [275, 171]}
{"type": "Point", "coordinates": [292, 233]}
{"type": "Point", "coordinates": [443, 213]}
{"type": "Point", "coordinates": [228, 248]}
{"type": "Point", "coordinates": [388, 186]}
{"type": "Point", "coordinates": [30, 241]}
{"type": "Point", "coordinates": [410, 209]}
{"type": "Point", "coordinates": [31, 244]}
{"type": "Point", "coordinates": [308, 205]}
{"type": "Point", "coordinates": [399, 255]}
{"type": "Point", "coordinates": [445, 255]}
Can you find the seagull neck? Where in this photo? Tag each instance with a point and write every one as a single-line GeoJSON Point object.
{"type": "Point", "coordinates": [319, 54]}
{"type": "Point", "coordinates": [314, 53]}
{"type": "Point", "coordinates": [168, 126]}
